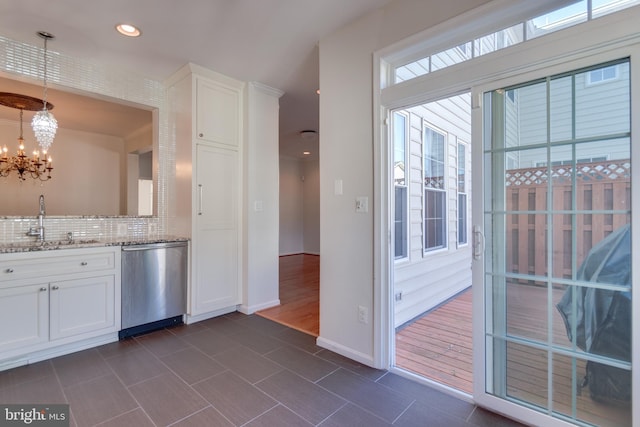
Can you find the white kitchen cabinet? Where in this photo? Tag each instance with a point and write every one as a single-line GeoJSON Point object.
{"type": "Point", "coordinates": [80, 306]}
{"type": "Point", "coordinates": [24, 315]}
{"type": "Point", "coordinates": [206, 117]}
{"type": "Point", "coordinates": [216, 224]}
{"type": "Point", "coordinates": [217, 112]}
{"type": "Point", "coordinates": [58, 301]}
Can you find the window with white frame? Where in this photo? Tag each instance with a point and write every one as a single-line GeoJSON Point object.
{"type": "Point", "coordinates": [602, 75]}
{"type": "Point", "coordinates": [462, 194]}
{"type": "Point", "coordinates": [400, 219]}
{"type": "Point", "coordinates": [565, 16]}
{"type": "Point", "coordinates": [435, 196]}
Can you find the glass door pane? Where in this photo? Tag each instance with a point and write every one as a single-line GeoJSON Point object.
{"type": "Point", "coordinates": [558, 264]}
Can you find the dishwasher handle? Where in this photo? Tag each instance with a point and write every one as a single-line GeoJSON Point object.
{"type": "Point", "coordinates": [150, 246]}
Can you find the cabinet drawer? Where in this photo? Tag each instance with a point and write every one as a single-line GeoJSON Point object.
{"type": "Point", "coordinates": [27, 265]}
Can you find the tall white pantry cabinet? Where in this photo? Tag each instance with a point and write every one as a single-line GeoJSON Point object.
{"type": "Point", "coordinates": [206, 120]}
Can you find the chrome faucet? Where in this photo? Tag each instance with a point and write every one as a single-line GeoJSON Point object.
{"type": "Point", "coordinates": [39, 230]}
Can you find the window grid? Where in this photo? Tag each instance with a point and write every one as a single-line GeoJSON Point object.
{"type": "Point", "coordinates": [558, 19]}
{"type": "Point", "coordinates": [602, 75]}
{"type": "Point", "coordinates": [559, 220]}
{"type": "Point", "coordinates": [435, 204]}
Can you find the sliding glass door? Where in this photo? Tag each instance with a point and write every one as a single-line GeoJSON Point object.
{"type": "Point", "coordinates": [557, 239]}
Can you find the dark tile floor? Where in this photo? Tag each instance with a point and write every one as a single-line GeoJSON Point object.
{"type": "Point", "coordinates": [233, 370]}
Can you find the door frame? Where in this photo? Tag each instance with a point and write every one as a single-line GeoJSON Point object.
{"type": "Point", "coordinates": [481, 175]}
{"type": "Point", "coordinates": [601, 40]}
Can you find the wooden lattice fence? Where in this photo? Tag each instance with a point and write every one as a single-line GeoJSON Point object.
{"type": "Point", "coordinates": [600, 186]}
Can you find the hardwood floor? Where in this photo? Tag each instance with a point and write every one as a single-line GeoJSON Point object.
{"type": "Point", "coordinates": [299, 294]}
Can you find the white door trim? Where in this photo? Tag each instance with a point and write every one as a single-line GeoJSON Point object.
{"type": "Point", "coordinates": [597, 41]}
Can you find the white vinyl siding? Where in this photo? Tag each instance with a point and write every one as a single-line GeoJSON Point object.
{"type": "Point", "coordinates": [426, 279]}
{"type": "Point", "coordinates": [595, 115]}
{"type": "Point", "coordinates": [415, 186]}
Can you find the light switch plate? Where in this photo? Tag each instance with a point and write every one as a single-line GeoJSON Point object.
{"type": "Point", "coordinates": [362, 204]}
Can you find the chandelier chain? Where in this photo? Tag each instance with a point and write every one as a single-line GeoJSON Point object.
{"type": "Point", "coordinates": [21, 113]}
{"type": "Point", "coordinates": [44, 124]}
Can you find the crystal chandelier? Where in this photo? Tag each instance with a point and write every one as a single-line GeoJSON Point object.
{"type": "Point", "coordinates": [39, 165]}
{"type": "Point", "coordinates": [44, 124]}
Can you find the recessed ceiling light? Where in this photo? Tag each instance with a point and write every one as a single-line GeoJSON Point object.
{"type": "Point", "coordinates": [128, 30]}
{"type": "Point", "coordinates": [306, 153]}
{"type": "Point", "coordinates": [308, 134]}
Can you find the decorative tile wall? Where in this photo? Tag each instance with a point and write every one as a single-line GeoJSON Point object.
{"type": "Point", "coordinates": [121, 228]}
{"type": "Point", "coordinates": [26, 61]}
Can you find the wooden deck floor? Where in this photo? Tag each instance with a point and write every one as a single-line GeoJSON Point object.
{"type": "Point", "coordinates": [438, 346]}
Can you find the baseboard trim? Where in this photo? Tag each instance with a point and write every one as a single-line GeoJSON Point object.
{"type": "Point", "coordinates": [299, 253]}
{"type": "Point", "coordinates": [363, 358]}
{"type": "Point", "coordinates": [253, 308]}
{"type": "Point", "coordinates": [190, 319]}
{"type": "Point", "coordinates": [55, 351]}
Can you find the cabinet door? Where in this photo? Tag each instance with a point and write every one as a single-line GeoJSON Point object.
{"type": "Point", "coordinates": [216, 238]}
{"type": "Point", "coordinates": [24, 316]}
{"type": "Point", "coordinates": [82, 306]}
{"type": "Point", "coordinates": [217, 113]}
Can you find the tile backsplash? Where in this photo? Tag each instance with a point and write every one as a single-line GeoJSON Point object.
{"type": "Point", "coordinates": [14, 229]}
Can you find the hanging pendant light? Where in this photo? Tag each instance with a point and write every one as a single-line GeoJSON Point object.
{"type": "Point", "coordinates": [44, 124]}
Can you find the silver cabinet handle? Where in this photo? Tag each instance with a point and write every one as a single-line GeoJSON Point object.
{"type": "Point", "coordinates": [43, 289]}
{"type": "Point", "coordinates": [55, 288]}
{"type": "Point", "coordinates": [83, 263]}
{"type": "Point", "coordinates": [9, 270]}
{"type": "Point", "coordinates": [200, 135]}
{"type": "Point", "coordinates": [200, 199]}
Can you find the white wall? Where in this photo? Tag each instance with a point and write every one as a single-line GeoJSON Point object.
{"type": "Point", "coordinates": [346, 154]}
{"type": "Point", "coordinates": [76, 157]}
{"type": "Point", "coordinates": [261, 245]}
{"type": "Point", "coordinates": [311, 206]}
{"type": "Point", "coordinates": [299, 206]}
{"type": "Point", "coordinates": [291, 206]}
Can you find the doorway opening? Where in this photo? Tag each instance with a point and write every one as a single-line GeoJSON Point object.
{"type": "Point", "coordinates": [299, 286]}
{"type": "Point", "coordinates": [299, 260]}
{"type": "Point", "coordinates": [432, 214]}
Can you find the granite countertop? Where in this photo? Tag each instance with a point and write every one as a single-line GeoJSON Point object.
{"type": "Point", "coordinates": [33, 246]}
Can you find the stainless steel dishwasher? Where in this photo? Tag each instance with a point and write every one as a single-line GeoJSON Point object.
{"type": "Point", "coordinates": [154, 286]}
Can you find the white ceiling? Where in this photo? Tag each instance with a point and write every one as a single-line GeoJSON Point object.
{"type": "Point", "coordinates": [269, 41]}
